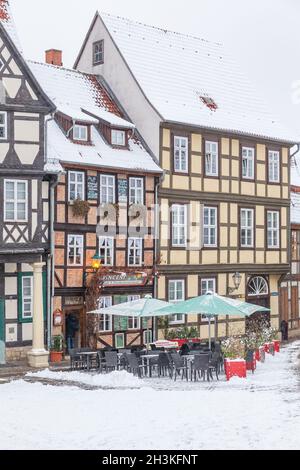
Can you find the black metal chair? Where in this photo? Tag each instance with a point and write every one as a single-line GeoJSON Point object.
{"type": "Point", "coordinates": [111, 361]}
{"type": "Point", "coordinates": [134, 365]}
{"type": "Point", "coordinates": [77, 361]}
{"type": "Point", "coordinates": [179, 365]}
{"type": "Point", "coordinates": [201, 366]}
{"type": "Point", "coordinates": [214, 365]}
{"type": "Point", "coordinates": [164, 365]}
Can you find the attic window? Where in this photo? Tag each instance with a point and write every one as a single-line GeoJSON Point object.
{"type": "Point", "coordinates": [118, 138]}
{"type": "Point", "coordinates": [98, 53]}
{"type": "Point", "coordinates": [209, 102]}
{"type": "Point", "coordinates": [80, 133]}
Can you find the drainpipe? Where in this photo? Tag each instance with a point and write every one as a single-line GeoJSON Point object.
{"type": "Point", "coordinates": [156, 240]}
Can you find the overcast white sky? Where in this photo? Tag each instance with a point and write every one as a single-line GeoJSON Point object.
{"type": "Point", "coordinates": [264, 35]}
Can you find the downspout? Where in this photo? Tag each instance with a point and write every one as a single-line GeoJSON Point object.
{"type": "Point", "coordinates": [156, 241]}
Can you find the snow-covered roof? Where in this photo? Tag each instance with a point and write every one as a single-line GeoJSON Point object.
{"type": "Point", "coordinates": [99, 154]}
{"type": "Point", "coordinates": [295, 207]}
{"type": "Point", "coordinates": [176, 71]}
{"type": "Point", "coordinates": [74, 92]}
{"type": "Point", "coordinates": [6, 19]}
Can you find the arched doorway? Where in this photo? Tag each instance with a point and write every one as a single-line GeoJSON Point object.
{"type": "Point", "coordinates": [258, 292]}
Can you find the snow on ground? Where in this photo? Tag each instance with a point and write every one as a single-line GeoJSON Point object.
{"type": "Point", "coordinates": [262, 412]}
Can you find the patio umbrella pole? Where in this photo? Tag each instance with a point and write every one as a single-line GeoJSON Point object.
{"type": "Point", "coordinates": [209, 332]}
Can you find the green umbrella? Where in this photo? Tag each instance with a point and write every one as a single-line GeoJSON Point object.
{"type": "Point", "coordinates": [211, 305]}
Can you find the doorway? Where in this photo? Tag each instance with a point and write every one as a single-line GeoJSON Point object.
{"type": "Point", "coordinates": [258, 293]}
{"type": "Point", "coordinates": [74, 324]}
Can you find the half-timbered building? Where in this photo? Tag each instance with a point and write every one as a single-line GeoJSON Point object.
{"type": "Point", "coordinates": [24, 193]}
{"type": "Point", "coordinates": [225, 198]}
{"type": "Point", "coordinates": [104, 202]}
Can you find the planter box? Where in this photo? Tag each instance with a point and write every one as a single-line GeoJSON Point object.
{"type": "Point", "coordinates": [269, 348]}
{"type": "Point", "coordinates": [258, 355]}
{"type": "Point", "coordinates": [181, 342]}
{"type": "Point", "coordinates": [277, 346]}
{"type": "Point", "coordinates": [235, 368]}
{"type": "Point", "coordinates": [56, 357]}
{"type": "Point", "coordinates": [251, 365]}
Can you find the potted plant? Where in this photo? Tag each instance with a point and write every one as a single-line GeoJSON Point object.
{"type": "Point", "coordinates": [183, 335]}
{"type": "Point", "coordinates": [234, 352]}
{"type": "Point", "coordinates": [56, 351]}
{"type": "Point", "coordinates": [269, 335]}
{"type": "Point", "coordinates": [80, 208]}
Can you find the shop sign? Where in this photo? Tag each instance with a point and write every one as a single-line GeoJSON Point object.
{"type": "Point", "coordinates": [125, 279]}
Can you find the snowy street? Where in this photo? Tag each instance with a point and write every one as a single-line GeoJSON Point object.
{"type": "Point", "coordinates": [118, 411]}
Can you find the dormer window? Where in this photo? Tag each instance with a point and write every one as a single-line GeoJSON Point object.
{"type": "Point", "coordinates": [80, 133]}
{"type": "Point", "coordinates": [118, 138]}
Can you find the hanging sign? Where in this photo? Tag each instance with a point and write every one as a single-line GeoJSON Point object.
{"type": "Point", "coordinates": [92, 188]}
{"type": "Point", "coordinates": [125, 279]}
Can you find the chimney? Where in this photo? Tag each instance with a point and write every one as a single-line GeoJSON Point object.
{"type": "Point", "coordinates": [54, 57]}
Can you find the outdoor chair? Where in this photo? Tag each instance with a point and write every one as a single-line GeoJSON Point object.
{"type": "Point", "coordinates": [179, 365]}
{"type": "Point", "coordinates": [134, 365]}
{"type": "Point", "coordinates": [201, 367]}
{"type": "Point", "coordinates": [214, 364]}
{"type": "Point", "coordinates": [111, 361]}
{"type": "Point", "coordinates": [164, 365]}
{"type": "Point", "coordinates": [77, 361]}
{"type": "Point", "coordinates": [250, 360]}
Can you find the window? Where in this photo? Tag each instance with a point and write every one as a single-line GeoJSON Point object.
{"type": "Point", "coordinates": [3, 126]}
{"type": "Point", "coordinates": [136, 191]}
{"type": "Point", "coordinates": [120, 341]}
{"type": "Point", "coordinates": [248, 163]}
{"type": "Point", "coordinates": [210, 226]}
{"type": "Point", "coordinates": [273, 229]}
{"type": "Point", "coordinates": [76, 185]}
{"type": "Point", "coordinates": [80, 133]}
{"type": "Point", "coordinates": [133, 322]}
{"type": "Point", "coordinates": [274, 166]}
{"type": "Point", "coordinates": [208, 285]}
{"type": "Point", "coordinates": [181, 154]}
{"type": "Point", "coordinates": [75, 250]}
{"type": "Point", "coordinates": [15, 200]}
{"type": "Point", "coordinates": [211, 158]}
{"type": "Point", "coordinates": [247, 216]}
{"type": "Point", "coordinates": [135, 250]}
{"type": "Point", "coordinates": [179, 225]}
{"type": "Point", "coordinates": [107, 189]}
{"type": "Point", "coordinates": [27, 297]}
{"type": "Point", "coordinates": [177, 294]}
{"type": "Point", "coordinates": [118, 138]}
{"type": "Point", "coordinates": [98, 53]}
{"type": "Point", "coordinates": [106, 251]}
{"type": "Point", "coordinates": [105, 322]}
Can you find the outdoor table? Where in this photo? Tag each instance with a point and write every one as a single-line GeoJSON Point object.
{"type": "Point", "coordinates": [88, 356]}
{"type": "Point", "coordinates": [146, 360]}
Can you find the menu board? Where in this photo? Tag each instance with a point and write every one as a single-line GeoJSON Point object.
{"type": "Point", "coordinates": [122, 190]}
{"type": "Point", "coordinates": [92, 188]}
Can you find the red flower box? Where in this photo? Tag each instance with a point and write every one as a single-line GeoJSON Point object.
{"type": "Point", "coordinates": [267, 348]}
{"type": "Point", "coordinates": [277, 346]}
{"type": "Point", "coordinates": [257, 355]}
{"type": "Point", "coordinates": [235, 368]}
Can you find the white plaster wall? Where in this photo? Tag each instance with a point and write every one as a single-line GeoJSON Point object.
{"type": "Point", "coordinates": [27, 131]}
{"type": "Point", "coordinates": [27, 331]}
{"type": "Point", "coordinates": [11, 309]}
{"type": "Point", "coordinates": [11, 286]}
{"type": "Point", "coordinates": [124, 86]}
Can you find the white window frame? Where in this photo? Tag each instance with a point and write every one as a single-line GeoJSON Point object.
{"type": "Point", "coordinates": [15, 201]}
{"type": "Point", "coordinates": [205, 285]}
{"type": "Point", "coordinates": [105, 188]}
{"type": "Point", "coordinates": [78, 185]}
{"type": "Point", "coordinates": [249, 158]}
{"type": "Point", "coordinates": [211, 158]}
{"type": "Point", "coordinates": [208, 228]}
{"type": "Point", "coordinates": [109, 247]}
{"type": "Point", "coordinates": [27, 298]}
{"type": "Point", "coordinates": [182, 166]}
{"type": "Point", "coordinates": [136, 194]}
{"type": "Point", "coordinates": [4, 125]}
{"type": "Point", "coordinates": [118, 137]}
{"type": "Point", "coordinates": [274, 230]}
{"type": "Point", "coordinates": [106, 302]}
{"type": "Point", "coordinates": [123, 339]}
{"type": "Point", "coordinates": [134, 323]}
{"type": "Point", "coordinates": [99, 52]}
{"type": "Point", "coordinates": [138, 246]}
{"type": "Point", "coordinates": [274, 166]}
{"type": "Point", "coordinates": [178, 318]}
{"type": "Point", "coordinates": [248, 228]}
{"type": "Point", "coordinates": [179, 210]}
{"type": "Point", "coordinates": [75, 246]}
{"type": "Point", "coordinates": [82, 131]}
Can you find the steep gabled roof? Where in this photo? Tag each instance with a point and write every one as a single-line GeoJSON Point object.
{"type": "Point", "coordinates": [77, 95]}
{"type": "Point", "coordinates": [82, 97]}
{"type": "Point", "coordinates": [6, 19]}
{"type": "Point", "coordinates": [192, 81]}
